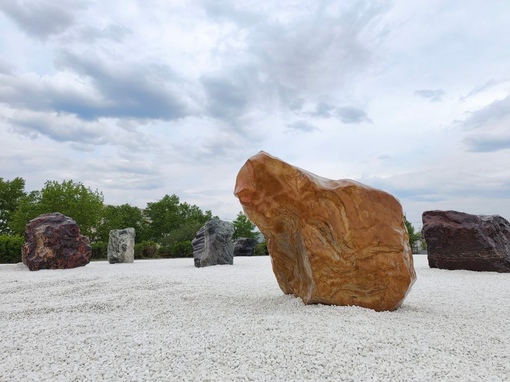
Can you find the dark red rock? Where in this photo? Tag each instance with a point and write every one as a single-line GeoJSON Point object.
{"type": "Point", "coordinates": [54, 241]}
{"type": "Point", "coordinates": [457, 240]}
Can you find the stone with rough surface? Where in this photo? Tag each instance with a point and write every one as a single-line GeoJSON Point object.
{"type": "Point", "coordinates": [54, 241]}
{"type": "Point", "coordinates": [121, 246]}
{"type": "Point", "coordinates": [213, 244]}
{"type": "Point", "coordinates": [331, 241]}
{"type": "Point", "coordinates": [457, 240]}
{"type": "Point", "coordinates": [244, 246]}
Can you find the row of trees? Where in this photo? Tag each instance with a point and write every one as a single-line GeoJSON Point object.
{"type": "Point", "coordinates": [164, 228]}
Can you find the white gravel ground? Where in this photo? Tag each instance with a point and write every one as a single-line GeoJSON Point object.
{"type": "Point", "coordinates": [165, 320]}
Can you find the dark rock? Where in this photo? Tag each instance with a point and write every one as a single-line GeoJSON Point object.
{"type": "Point", "coordinates": [244, 246]}
{"type": "Point", "coordinates": [213, 244]}
{"type": "Point", "coordinates": [54, 241]}
{"type": "Point", "coordinates": [121, 246]}
{"type": "Point", "coordinates": [457, 240]}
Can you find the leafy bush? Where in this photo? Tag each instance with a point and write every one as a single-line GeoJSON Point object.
{"type": "Point", "coordinates": [99, 250]}
{"type": "Point", "coordinates": [10, 248]}
{"type": "Point", "coordinates": [147, 250]}
{"type": "Point", "coordinates": [182, 249]}
{"type": "Point", "coordinates": [261, 250]}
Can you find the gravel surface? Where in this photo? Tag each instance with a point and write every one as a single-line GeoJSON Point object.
{"type": "Point", "coordinates": [165, 320]}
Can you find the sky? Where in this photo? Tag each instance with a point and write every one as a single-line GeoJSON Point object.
{"type": "Point", "coordinates": [141, 99]}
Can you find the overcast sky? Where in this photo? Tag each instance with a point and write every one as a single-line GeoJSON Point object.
{"type": "Point", "coordinates": [140, 99]}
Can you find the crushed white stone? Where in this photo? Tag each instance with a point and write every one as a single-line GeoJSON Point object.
{"type": "Point", "coordinates": [165, 320]}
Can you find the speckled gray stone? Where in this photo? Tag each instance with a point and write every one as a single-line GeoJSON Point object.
{"type": "Point", "coordinates": [121, 246]}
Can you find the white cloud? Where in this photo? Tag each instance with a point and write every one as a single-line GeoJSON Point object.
{"type": "Point", "coordinates": [167, 98]}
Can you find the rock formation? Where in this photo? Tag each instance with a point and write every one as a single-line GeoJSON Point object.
{"type": "Point", "coordinates": [121, 246]}
{"type": "Point", "coordinates": [457, 240]}
{"type": "Point", "coordinates": [213, 244]}
{"type": "Point", "coordinates": [54, 241]}
{"type": "Point", "coordinates": [331, 241]}
{"type": "Point", "coordinates": [244, 246]}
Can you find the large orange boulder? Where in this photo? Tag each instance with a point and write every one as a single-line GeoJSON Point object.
{"type": "Point", "coordinates": [331, 241]}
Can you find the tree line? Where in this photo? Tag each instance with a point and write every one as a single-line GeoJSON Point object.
{"type": "Point", "coordinates": [165, 228]}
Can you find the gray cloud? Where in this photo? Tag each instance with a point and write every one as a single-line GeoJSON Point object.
{"type": "Point", "coordinates": [479, 89]}
{"type": "Point", "coordinates": [302, 55]}
{"type": "Point", "coordinates": [491, 114]}
{"type": "Point", "coordinates": [303, 126]}
{"type": "Point", "coordinates": [40, 18]}
{"type": "Point", "coordinates": [311, 56]}
{"type": "Point", "coordinates": [89, 35]}
{"type": "Point", "coordinates": [227, 97]}
{"type": "Point", "coordinates": [61, 128]}
{"type": "Point", "coordinates": [482, 143]}
{"type": "Point", "coordinates": [323, 110]}
{"type": "Point", "coordinates": [138, 91]}
{"type": "Point", "coordinates": [297, 104]}
{"type": "Point", "coordinates": [350, 114]}
{"type": "Point", "coordinates": [431, 95]}
{"type": "Point", "coordinates": [5, 68]}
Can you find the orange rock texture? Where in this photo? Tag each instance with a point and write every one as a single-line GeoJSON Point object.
{"type": "Point", "coordinates": [335, 242]}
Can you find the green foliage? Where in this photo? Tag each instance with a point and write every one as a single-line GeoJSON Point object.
{"type": "Point", "coordinates": [174, 225]}
{"type": "Point", "coordinates": [147, 250]}
{"type": "Point", "coordinates": [413, 236]}
{"type": "Point", "coordinates": [120, 217]}
{"type": "Point", "coordinates": [99, 250]}
{"type": "Point", "coordinates": [243, 227]}
{"type": "Point", "coordinates": [69, 198]}
{"type": "Point", "coordinates": [168, 215]}
{"type": "Point", "coordinates": [11, 192]}
{"type": "Point", "coordinates": [261, 250]}
{"type": "Point", "coordinates": [179, 249]}
{"type": "Point", "coordinates": [177, 243]}
{"type": "Point", "coordinates": [10, 248]}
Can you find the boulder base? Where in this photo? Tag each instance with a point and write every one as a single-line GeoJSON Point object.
{"type": "Point", "coordinates": [457, 240]}
{"type": "Point", "coordinates": [121, 246]}
{"type": "Point", "coordinates": [54, 241]}
{"type": "Point", "coordinates": [213, 244]}
{"type": "Point", "coordinates": [331, 241]}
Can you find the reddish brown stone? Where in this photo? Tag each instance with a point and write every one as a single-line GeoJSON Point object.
{"type": "Point", "coordinates": [54, 241]}
{"type": "Point", "coordinates": [457, 240]}
{"type": "Point", "coordinates": [331, 241]}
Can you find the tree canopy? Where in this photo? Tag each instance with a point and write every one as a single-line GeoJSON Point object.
{"type": "Point", "coordinates": [119, 217]}
{"type": "Point", "coordinates": [413, 235]}
{"type": "Point", "coordinates": [243, 227]}
{"type": "Point", "coordinates": [69, 198]}
{"type": "Point", "coordinates": [11, 192]}
{"type": "Point", "coordinates": [168, 215]}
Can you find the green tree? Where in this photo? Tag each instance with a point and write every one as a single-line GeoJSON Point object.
{"type": "Point", "coordinates": [413, 235]}
{"type": "Point", "coordinates": [11, 193]}
{"type": "Point", "coordinates": [71, 199]}
{"type": "Point", "coordinates": [119, 217]}
{"type": "Point", "coordinates": [169, 215]}
{"type": "Point", "coordinates": [243, 227]}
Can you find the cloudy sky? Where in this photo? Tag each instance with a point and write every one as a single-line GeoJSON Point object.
{"type": "Point", "coordinates": [140, 99]}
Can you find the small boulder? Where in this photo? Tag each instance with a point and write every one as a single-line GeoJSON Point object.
{"type": "Point", "coordinates": [244, 246]}
{"type": "Point", "coordinates": [457, 240]}
{"type": "Point", "coordinates": [121, 246]}
{"type": "Point", "coordinates": [333, 242]}
{"type": "Point", "coordinates": [213, 244]}
{"type": "Point", "coordinates": [54, 241]}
